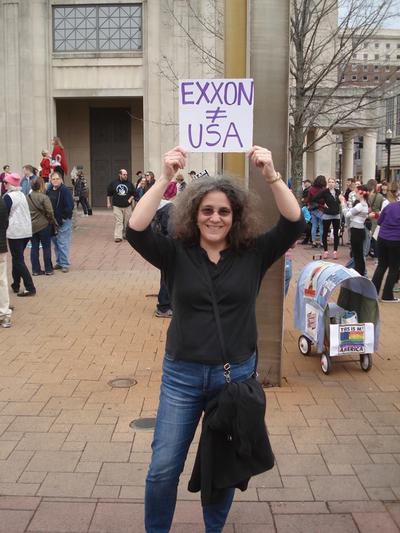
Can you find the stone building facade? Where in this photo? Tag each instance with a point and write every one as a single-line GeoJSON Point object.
{"type": "Point", "coordinates": [377, 62]}
{"type": "Point", "coordinates": [102, 75]}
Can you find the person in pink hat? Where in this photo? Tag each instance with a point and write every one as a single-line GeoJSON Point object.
{"type": "Point", "coordinates": [19, 232]}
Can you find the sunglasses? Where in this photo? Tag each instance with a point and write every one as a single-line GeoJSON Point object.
{"type": "Point", "coordinates": [222, 211]}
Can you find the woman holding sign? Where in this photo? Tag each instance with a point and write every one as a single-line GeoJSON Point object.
{"type": "Point", "coordinates": [215, 226]}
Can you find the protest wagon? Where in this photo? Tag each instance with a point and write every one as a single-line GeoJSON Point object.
{"type": "Point", "coordinates": [348, 327]}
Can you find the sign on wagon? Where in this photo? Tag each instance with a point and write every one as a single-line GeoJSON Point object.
{"type": "Point", "coordinates": [216, 115]}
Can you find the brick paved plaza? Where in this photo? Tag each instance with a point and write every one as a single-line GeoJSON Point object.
{"type": "Point", "coordinates": [69, 462]}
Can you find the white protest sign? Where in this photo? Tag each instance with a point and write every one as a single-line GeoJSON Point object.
{"type": "Point", "coordinates": [216, 115]}
{"type": "Point", "coordinates": [351, 338]}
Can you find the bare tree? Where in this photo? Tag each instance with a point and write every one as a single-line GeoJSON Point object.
{"type": "Point", "coordinates": [191, 20]}
{"type": "Point", "coordinates": [325, 36]}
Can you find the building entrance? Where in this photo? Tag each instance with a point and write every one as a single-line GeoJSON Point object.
{"type": "Point", "coordinates": [110, 148]}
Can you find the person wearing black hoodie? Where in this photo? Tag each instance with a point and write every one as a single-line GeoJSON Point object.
{"type": "Point", "coordinates": [331, 215]}
{"type": "Point", "coordinates": [5, 311]}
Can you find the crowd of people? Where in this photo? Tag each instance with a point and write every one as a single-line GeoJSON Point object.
{"type": "Point", "coordinates": [123, 195]}
{"type": "Point", "coordinates": [40, 206]}
{"type": "Point", "coordinates": [367, 215]}
{"type": "Point", "coordinates": [35, 210]}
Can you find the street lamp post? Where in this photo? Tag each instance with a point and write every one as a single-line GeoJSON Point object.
{"type": "Point", "coordinates": [388, 141]}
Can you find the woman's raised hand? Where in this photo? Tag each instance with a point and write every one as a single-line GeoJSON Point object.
{"type": "Point", "coordinates": [174, 160]}
{"type": "Point", "coordinates": [262, 158]}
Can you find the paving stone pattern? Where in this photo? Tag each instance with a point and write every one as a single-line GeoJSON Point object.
{"type": "Point", "coordinates": [69, 462]}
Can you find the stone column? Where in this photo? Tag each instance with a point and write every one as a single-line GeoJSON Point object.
{"type": "Point", "coordinates": [10, 101]}
{"type": "Point", "coordinates": [323, 155]}
{"type": "Point", "coordinates": [369, 155]}
{"type": "Point", "coordinates": [348, 157]}
{"type": "Point", "coordinates": [152, 87]}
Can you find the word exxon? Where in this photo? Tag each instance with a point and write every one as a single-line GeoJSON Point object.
{"type": "Point", "coordinates": [210, 92]}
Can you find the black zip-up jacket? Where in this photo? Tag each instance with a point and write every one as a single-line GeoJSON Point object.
{"type": "Point", "coordinates": [234, 444]}
{"type": "Point", "coordinates": [332, 204]}
{"type": "Point", "coordinates": [3, 226]}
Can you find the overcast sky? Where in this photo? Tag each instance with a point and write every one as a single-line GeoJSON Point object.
{"type": "Point", "coordinates": [393, 22]}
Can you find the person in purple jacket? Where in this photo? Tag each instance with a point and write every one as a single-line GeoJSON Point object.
{"type": "Point", "coordinates": [388, 251]}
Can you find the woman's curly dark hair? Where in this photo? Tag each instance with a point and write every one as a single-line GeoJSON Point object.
{"type": "Point", "coordinates": [246, 222]}
{"type": "Point", "coordinates": [320, 181]}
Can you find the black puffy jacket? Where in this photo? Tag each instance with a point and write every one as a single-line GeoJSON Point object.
{"type": "Point", "coordinates": [3, 226]}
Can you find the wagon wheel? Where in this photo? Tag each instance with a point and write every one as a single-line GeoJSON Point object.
{"type": "Point", "coordinates": [304, 345]}
{"type": "Point", "coordinates": [366, 362]}
{"type": "Point", "coordinates": [326, 363]}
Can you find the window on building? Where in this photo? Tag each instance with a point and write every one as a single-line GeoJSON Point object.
{"type": "Point", "coordinates": [365, 78]}
{"type": "Point", "coordinates": [376, 45]}
{"type": "Point", "coordinates": [353, 67]}
{"type": "Point", "coordinates": [354, 77]}
{"type": "Point", "coordinates": [366, 44]}
{"type": "Point", "coordinates": [387, 68]}
{"type": "Point", "coordinates": [376, 78]}
{"type": "Point", "coordinates": [376, 68]}
{"type": "Point", "coordinates": [388, 45]}
{"type": "Point", "coordinates": [94, 28]}
{"type": "Point", "coordinates": [398, 45]}
{"type": "Point", "coordinates": [365, 68]}
{"type": "Point", "coordinates": [354, 56]}
{"type": "Point", "coordinates": [398, 56]}
{"type": "Point", "coordinates": [387, 57]}
{"type": "Point", "coordinates": [365, 56]}
{"type": "Point", "coordinates": [343, 77]}
{"type": "Point", "coordinates": [376, 57]}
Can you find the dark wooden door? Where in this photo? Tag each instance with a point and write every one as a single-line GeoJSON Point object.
{"type": "Point", "coordinates": [110, 149]}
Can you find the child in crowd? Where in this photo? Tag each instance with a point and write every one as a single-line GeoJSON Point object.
{"type": "Point", "coordinates": [45, 166]}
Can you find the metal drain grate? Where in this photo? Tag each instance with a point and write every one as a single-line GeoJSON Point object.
{"type": "Point", "coordinates": [143, 423]}
{"type": "Point", "coordinates": [122, 383]}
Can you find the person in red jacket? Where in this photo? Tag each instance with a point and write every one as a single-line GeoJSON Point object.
{"type": "Point", "coordinates": [45, 166]}
{"type": "Point", "coordinates": [58, 157]}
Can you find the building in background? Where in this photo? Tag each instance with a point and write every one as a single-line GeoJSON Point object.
{"type": "Point", "coordinates": [101, 75]}
{"type": "Point", "coordinates": [378, 62]}
{"type": "Point", "coordinates": [358, 147]}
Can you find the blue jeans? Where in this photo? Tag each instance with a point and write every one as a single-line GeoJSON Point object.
{"type": "Point", "coordinates": [288, 273]}
{"type": "Point", "coordinates": [62, 243]}
{"type": "Point", "coordinates": [316, 221]}
{"type": "Point", "coordinates": [185, 389]}
{"type": "Point", "coordinates": [43, 236]}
